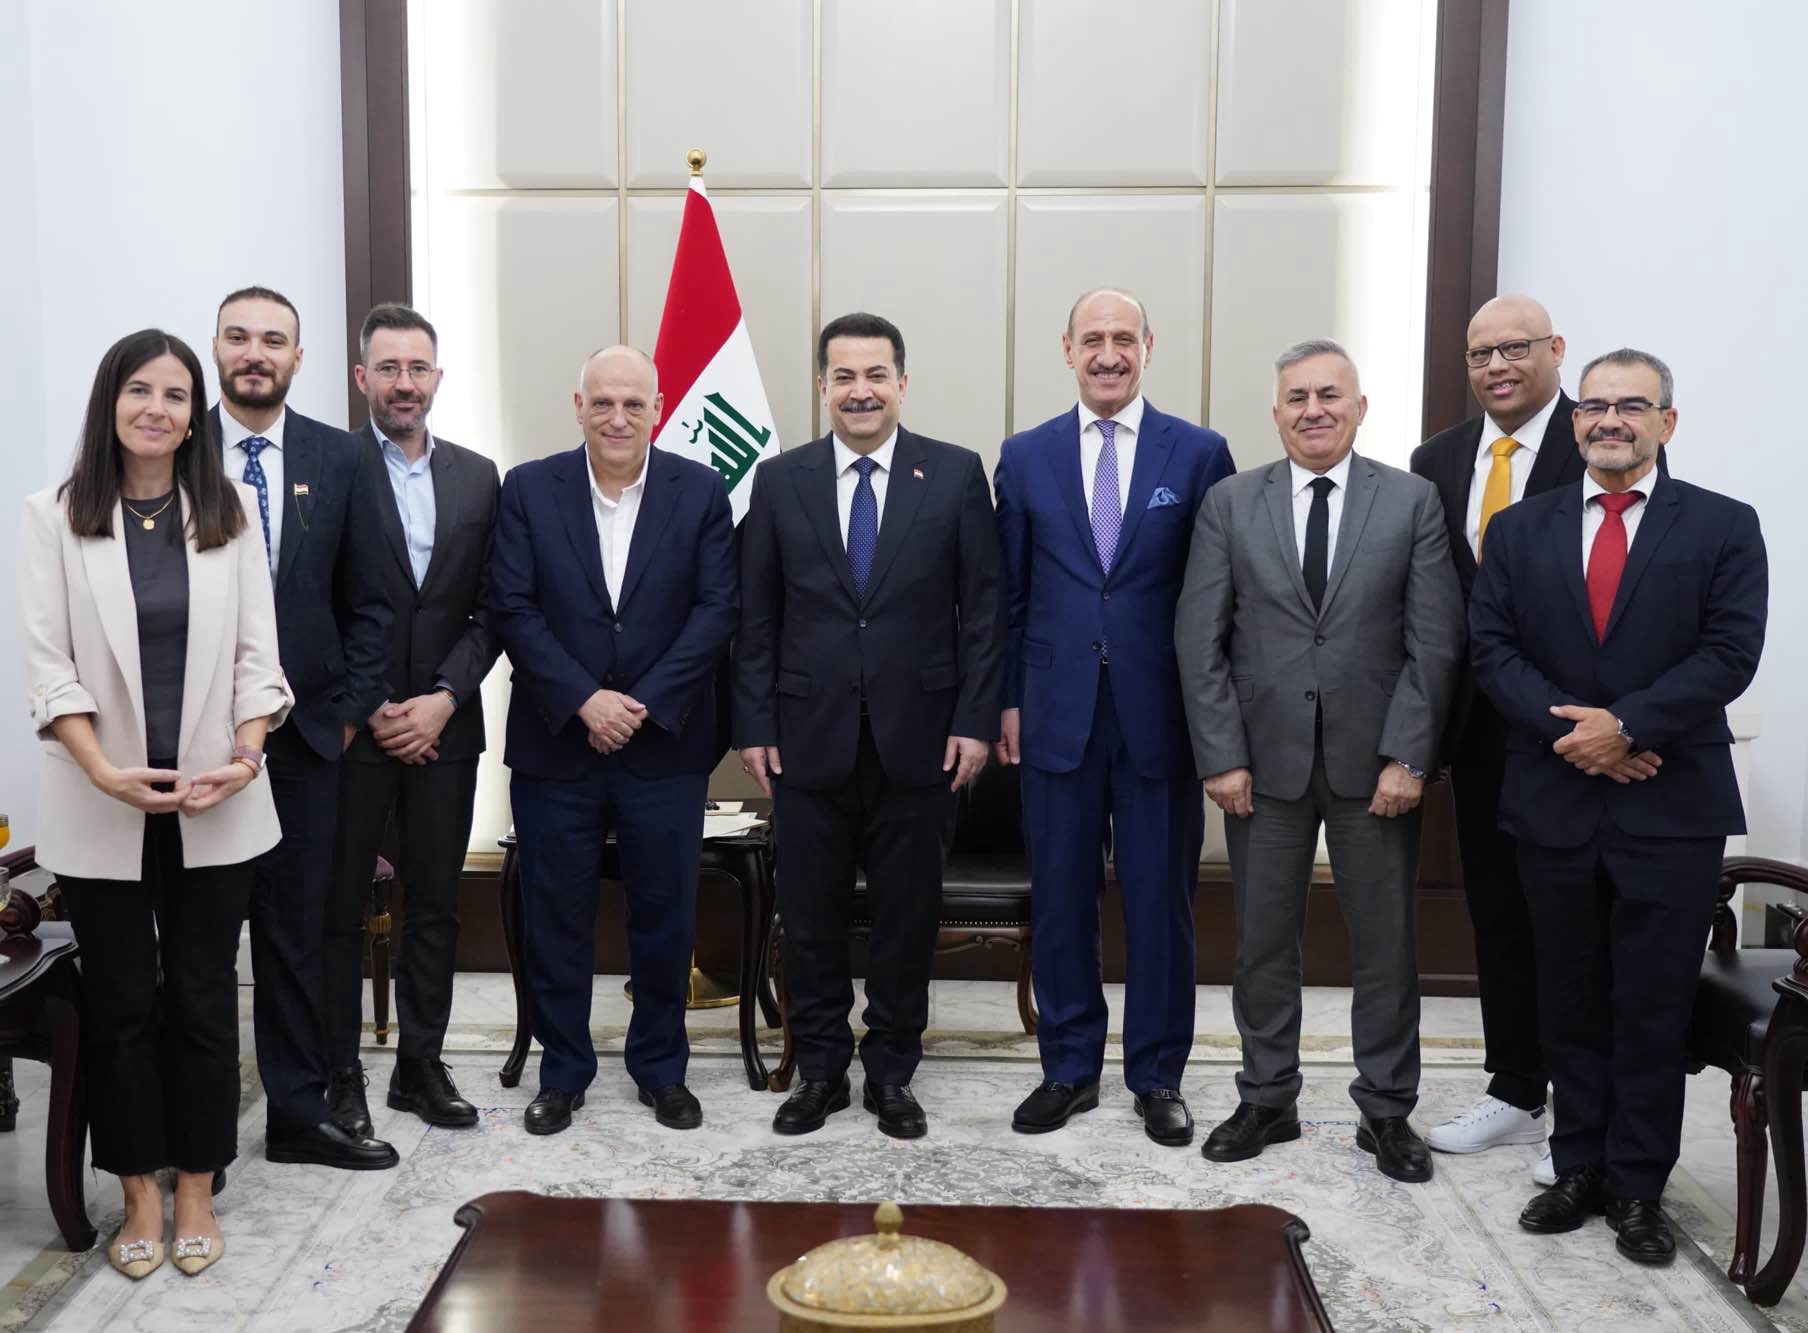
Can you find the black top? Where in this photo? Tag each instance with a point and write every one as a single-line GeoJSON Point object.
{"type": "Point", "coordinates": [158, 558]}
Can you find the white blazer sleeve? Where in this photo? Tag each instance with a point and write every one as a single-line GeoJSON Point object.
{"type": "Point", "coordinates": [259, 688]}
{"type": "Point", "coordinates": [50, 677]}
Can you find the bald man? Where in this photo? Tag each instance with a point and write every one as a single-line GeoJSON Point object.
{"type": "Point", "coordinates": [614, 591]}
{"type": "Point", "coordinates": [1522, 444]}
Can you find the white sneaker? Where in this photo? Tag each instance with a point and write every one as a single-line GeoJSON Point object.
{"type": "Point", "coordinates": [1488, 1124]}
{"type": "Point", "coordinates": [1545, 1173]}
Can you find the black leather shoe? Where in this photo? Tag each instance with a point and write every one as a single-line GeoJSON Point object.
{"type": "Point", "coordinates": [896, 1106]}
{"type": "Point", "coordinates": [1049, 1106]}
{"type": "Point", "coordinates": [673, 1106]}
{"type": "Point", "coordinates": [813, 1103]}
{"type": "Point", "coordinates": [1644, 1231]}
{"type": "Point", "coordinates": [1565, 1206]}
{"type": "Point", "coordinates": [426, 1088]}
{"type": "Point", "coordinates": [345, 1099]}
{"type": "Point", "coordinates": [327, 1144]}
{"type": "Point", "coordinates": [1165, 1117]}
{"type": "Point", "coordinates": [1399, 1152]}
{"type": "Point", "coordinates": [550, 1111]}
{"type": "Point", "coordinates": [1250, 1129]}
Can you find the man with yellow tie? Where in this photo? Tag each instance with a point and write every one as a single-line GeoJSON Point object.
{"type": "Point", "coordinates": [1522, 444]}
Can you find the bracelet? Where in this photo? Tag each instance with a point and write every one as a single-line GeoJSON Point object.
{"type": "Point", "coordinates": [250, 764]}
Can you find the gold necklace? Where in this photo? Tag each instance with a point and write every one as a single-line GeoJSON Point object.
{"type": "Point", "coordinates": [149, 520]}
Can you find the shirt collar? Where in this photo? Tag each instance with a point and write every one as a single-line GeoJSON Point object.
{"type": "Point", "coordinates": [1130, 418]}
{"type": "Point", "coordinates": [844, 456]}
{"type": "Point", "coordinates": [232, 430]}
{"type": "Point", "coordinates": [1530, 435]}
{"type": "Point", "coordinates": [1591, 488]}
{"type": "Point", "coordinates": [1304, 477]}
{"type": "Point", "coordinates": [596, 491]}
{"type": "Point", "coordinates": [388, 445]}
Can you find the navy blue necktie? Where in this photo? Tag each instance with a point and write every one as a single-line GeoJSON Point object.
{"type": "Point", "coordinates": [255, 479]}
{"type": "Point", "coordinates": [863, 527]}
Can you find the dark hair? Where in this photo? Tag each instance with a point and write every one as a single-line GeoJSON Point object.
{"type": "Point", "coordinates": [261, 294]}
{"type": "Point", "coordinates": [859, 325]}
{"type": "Point", "coordinates": [215, 515]}
{"type": "Point", "coordinates": [393, 315]}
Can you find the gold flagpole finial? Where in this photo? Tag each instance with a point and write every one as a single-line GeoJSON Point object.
{"type": "Point", "coordinates": [696, 157]}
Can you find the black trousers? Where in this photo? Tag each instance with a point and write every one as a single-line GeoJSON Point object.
{"type": "Point", "coordinates": [1505, 966]}
{"type": "Point", "coordinates": [288, 914]}
{"type": "Point", "coordinates": [162, 1054]}
{"type": "Point", "coordinates": [432, 808]}
{"type": "Point", "coordinates": [895, 834]}
{"type": "Point", "coordinates": [1621, 926]}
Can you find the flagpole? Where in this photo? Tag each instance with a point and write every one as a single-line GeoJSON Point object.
{"type": "Point", "coordinates": [696, 158]}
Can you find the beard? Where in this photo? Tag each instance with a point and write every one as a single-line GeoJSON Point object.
{"type": "Point", "coordinates": [1601, 454]}
{"type": "Point", "coordinates": [260, 398]}
{"type": "Point", "coordinates": [396, 427]}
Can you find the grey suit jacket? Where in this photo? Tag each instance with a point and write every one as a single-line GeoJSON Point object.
{"type": "Point", "coordinates": [1381, 657]}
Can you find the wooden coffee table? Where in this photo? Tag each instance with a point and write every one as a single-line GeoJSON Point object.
{"type": "Point", "coordinates": [531, 1262]}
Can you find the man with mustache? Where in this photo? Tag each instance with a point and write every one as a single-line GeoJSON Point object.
{"type": "Point", "coordinates": [866, 694]}
{"type": "Point", "coordinates": [418, 755]}
{"type": "Point", "coordinates": [316, 493]}
{"type": "Point", "coordinates": [1614, 618]}
{"type": "Point", "coordinates": [1319, 633]}
{"type": "Point", "coordinates": [1095, 510]}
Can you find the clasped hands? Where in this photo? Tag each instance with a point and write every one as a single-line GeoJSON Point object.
{"type": "Point", "coordinates": [1595, 746]}
{"type": "Point", "coordinates": [137, 787]}
{"type": "Point", "coordinates": [611, 718]}
{"type": "Point", "coordinates": [410, 730]}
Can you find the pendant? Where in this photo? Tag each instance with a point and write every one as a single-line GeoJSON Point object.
{"type": "Point", "coordinates": [149, 524]}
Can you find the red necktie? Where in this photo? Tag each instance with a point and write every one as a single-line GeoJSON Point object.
{"type": "Point", "coordinates": [1607, 557]}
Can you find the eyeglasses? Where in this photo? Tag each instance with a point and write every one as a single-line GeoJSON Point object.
{"type": "Point", "coordinates": [1514, 349]}
{"type": "Point", "coordinates": [389, 371]}
{"type": "Point", "coordinates": [1629, 409]}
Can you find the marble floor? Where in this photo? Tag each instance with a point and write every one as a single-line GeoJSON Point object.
{"type": "Point", "coordinates": [316, 1249]}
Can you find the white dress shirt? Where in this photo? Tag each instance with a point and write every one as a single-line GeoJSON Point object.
{"type": "Point", "coordinates": [1302, 506]}
{"type": "Point", "coordinates": [615, 526]}
{"type": "Point", "coordinates": [1519, 463]}
{"type": "Point", "coordinates": [232, 432]}
{"type": "Point", "coordinates": [416, 504]}
{"type": "Point", "coordinates": [1593, 515]}
{"type": "Point", "coordinates": [846, 478]}
{"type": "Point", "coordinates": [1129, 426]}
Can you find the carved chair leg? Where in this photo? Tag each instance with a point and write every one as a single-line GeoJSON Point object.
{"type": "Point", "coordinates": [9, 1097]}
{"type": "Point", "coordinates": [1785, 1049]}
{"type": "Point", "coordinates": [780, 1078]}
{"type": "Point", "coordinates": [1026, 1001]}
{"type": "Point", "coordinates": [1748, 1113]}
{"type": "Point", "coordinates": [379, 983]}
{"type": "Point", "coordinates": [514, 941]}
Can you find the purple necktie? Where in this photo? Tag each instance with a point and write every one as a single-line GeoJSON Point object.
{"type": "Point", "coordinates": [1107, 518]}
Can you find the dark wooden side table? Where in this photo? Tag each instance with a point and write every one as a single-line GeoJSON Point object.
{"type": "Point", "coordinates": [529, 1261]}
{"type": "Point", "coordinates": [40, 1019]}
{"type": "Point", "coordinates": [746, 859]}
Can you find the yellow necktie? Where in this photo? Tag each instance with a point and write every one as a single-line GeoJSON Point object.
{"type": "Point", "coordinates": [1498, 493]}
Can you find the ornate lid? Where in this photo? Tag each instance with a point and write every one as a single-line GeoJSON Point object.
{"type": "Point", "coordinates": [888, 1274]}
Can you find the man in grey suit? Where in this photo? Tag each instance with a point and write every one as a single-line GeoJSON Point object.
{"type": "Point", "coordinates": [1319, 635]}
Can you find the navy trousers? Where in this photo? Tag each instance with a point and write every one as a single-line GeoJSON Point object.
{"type": "Point", "coordinates": [561, 827]}
{"type": "Point", "coordinates": [1156, 828]}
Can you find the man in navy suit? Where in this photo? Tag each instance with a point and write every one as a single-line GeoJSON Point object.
{"type": "Point", "coordinates": [1612, 622]}
{"type": "Point", "coordinates": [614, 590]}
{"type": "Point", "coordinates": [316, 493]}
{"type": "Point", "coordinates": [1095, 510]}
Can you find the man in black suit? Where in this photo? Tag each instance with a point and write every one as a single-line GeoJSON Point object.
{"type": "Point", "coordinates": [1522, 444]}
{"type": "Point", "coordinates": [418, 756]}
{"type": "Point", "coordinates": [332, 623]}
{"type": "Point", "coordinates": [868, 681]}
{"type": "Point", "coordinates": [1613, 621]}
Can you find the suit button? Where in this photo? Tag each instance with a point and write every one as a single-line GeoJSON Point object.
{"type": "Point", "coordinates": [1095, 645]}
{"type": "Point", "coordinates": [1310, 696]}
{"type": "Point", "coordinates": [608, 679]}
{"type": "Point", "coordinates": [862, 624]}
{"type": "Point", "coordinates": [1107, 596]}
{"type": "Point", "coordinates": [618, 627]}
{"type": "Point", "coordinates": [1319, 639]}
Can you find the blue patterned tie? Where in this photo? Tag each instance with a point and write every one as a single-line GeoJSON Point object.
{"type": "Point", "coordinates": [863, 527]}
{"type": "Point", "coordinates": [1107, 517]}
{"type": "Point", "coordinates": [254, 478]}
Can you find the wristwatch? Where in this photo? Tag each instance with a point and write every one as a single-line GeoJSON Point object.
{"type": "Point", "coordinates": [1631, 745]}
{"type": "Point", "coordinates": [252, 759]}
{"type": "Point", "coordinates": [1418, 774]}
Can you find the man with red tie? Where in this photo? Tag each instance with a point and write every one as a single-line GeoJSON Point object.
{"type": "Point", "coordinates": [1611, 623]}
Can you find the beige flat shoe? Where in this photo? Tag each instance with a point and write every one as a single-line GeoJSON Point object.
{"type": "Point", "coordinates": [137, 1259]}
{"type": "Point", "coordinates": [192, 1254]}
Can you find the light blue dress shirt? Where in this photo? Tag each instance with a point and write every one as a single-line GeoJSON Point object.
{"type": "Point", "coordinates": [413, 487]}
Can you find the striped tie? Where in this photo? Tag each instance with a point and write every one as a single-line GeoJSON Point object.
{"type": "Point", "coordinates": [1107, 518]}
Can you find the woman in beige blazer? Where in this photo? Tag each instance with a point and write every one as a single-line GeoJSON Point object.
{"type": "Point", "coordinates": [149, 631]}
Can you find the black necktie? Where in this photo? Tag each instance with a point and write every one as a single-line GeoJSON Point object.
{"type": "Point", "coordinates": [1316, 564]}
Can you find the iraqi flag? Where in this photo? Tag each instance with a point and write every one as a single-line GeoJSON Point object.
{"type": "Point", "coordinates": [715, 405]}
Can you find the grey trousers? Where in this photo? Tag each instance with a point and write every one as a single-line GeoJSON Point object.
{"type": "Point", "coordinates": [1375, 863]}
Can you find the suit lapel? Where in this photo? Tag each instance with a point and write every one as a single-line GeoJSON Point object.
{"type": "Point", "coordinates": [816, 490]}
{"type": "Point", "coordinates": [207, 592]}
{"type": "Point", "coordinates": [1556, 450]}
{"type": "Point", "coordinates": [659, 493]}
{"type": "Point", "coordinates": [579, 517]}
{"type": "Point", "coordinates": [1565, 546]}
{"type": "Point", "coordinates": [1453, 483]}
{"type": "Point", "coordinates": [301, 467]}
{"type": "Point", "coordinates": [1070, 482]}
{"type": "Point", "coordinates": [1660, 513]}
{"type": "Point", "coordinates": [1153, 449]}
{"type": "Point", "coordinates": [389, 517]}
{"type": "Point", "coordinates": [1280, 510]}
{"type": "Point", "coordinates": [1358, 502]}
{"type": "Point", "coordinates": [110, 582]}
{"type": "Point", "coordinates": [442, 466]}
{"type": "Point", "coordinates": [904, 489]}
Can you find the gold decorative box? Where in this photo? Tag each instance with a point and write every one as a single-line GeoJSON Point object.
{"type": "Point", "coordinates": [888, 1280]}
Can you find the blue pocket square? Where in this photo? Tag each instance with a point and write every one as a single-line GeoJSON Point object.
{"type": "Point", "coordinates": [1162, 498]}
